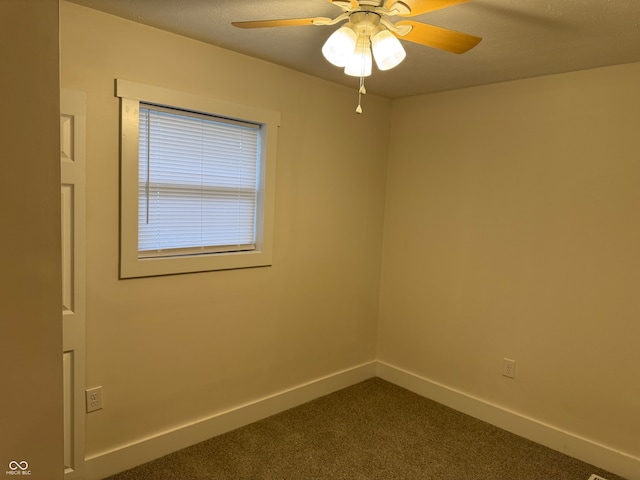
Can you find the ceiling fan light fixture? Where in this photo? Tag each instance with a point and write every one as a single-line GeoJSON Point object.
{"type": "Point", "coordinates": [360, 62]}
{"type": "Point", "coordinates": [340, 45]}
{"type": "Point", "coordinates": [369, 34]}
{"type": "Point", "coordinates": [387, 49]}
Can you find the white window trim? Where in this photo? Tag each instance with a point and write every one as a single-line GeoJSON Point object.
{"type": "Point", "coordinates": [131, 94]}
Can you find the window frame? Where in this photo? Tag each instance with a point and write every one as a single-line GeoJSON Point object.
{"type": "Point", "coordinates": [131, 94]}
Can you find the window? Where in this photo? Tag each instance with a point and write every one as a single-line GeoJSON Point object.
{"type": "Point", "coordinates": [197, 183]}
{"type": "Point", "coordinates": [197, 180]}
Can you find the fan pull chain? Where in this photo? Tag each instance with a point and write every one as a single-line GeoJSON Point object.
{"type": "Point", "coordinates": [361, 91]}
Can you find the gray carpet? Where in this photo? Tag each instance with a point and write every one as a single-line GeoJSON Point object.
{"type": "Point", "coordinates": [372, 430]}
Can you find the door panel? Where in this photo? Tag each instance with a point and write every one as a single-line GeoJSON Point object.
{"type": "Point", "coordinates": [72, 203]}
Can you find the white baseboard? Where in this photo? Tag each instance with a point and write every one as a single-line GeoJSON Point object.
{"type": "Point", "coordinates": [128, 456]}
{"type": "Point", "coordinates": [575, 446]}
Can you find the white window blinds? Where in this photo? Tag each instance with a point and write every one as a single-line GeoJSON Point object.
{"type": "Point", "coordinates": [198, 183]}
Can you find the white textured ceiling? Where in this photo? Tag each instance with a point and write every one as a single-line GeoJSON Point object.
{"type": "Point", "coordinates": [521, 38]}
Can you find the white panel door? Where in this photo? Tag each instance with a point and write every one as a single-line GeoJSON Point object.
{"type": "Point", "coordinates": [72, 196]}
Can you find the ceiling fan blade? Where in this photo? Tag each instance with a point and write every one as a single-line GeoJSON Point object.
{"type": "Point", "coordinates": [354, 3]}
{"type": "Point", "coordinates": [418, 7]}
{"type": "Point", "coordinates": [437, 37]}
{"type": "Point", "coordinates": [290, 22]}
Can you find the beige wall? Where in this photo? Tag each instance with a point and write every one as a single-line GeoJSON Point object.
{"type": "Point", "coordinates": [512, 230]}
{"type": "Point", "coordinates": [170, 350]}
{"type": "Point", "coordinates": [30, 275]}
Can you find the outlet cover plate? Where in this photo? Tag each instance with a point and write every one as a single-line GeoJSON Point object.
{"type": "Point", "coordinates": [509, 368]}
{"type": "Point", "coordinates": [94, 399]}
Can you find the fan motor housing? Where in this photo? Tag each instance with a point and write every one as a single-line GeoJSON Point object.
{"type": "Point", "coordinates": [365, 21]}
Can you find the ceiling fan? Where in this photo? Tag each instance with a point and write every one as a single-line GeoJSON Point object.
{"type": "Point", "coordinates": [368, 30]}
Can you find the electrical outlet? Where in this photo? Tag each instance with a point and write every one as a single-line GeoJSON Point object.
{"type": "Point", "coordinates": [509, 368]}
{"type": "Point", "coordinates": [94, 399]}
